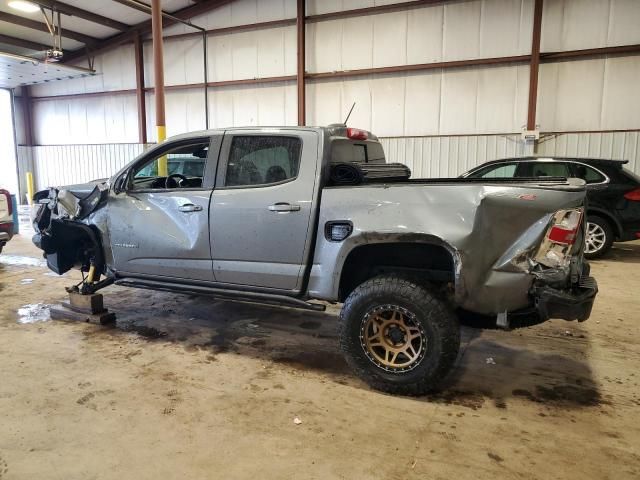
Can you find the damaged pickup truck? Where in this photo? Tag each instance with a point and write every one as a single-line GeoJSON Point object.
{"type": "Point", "coordinates": [291, 215]}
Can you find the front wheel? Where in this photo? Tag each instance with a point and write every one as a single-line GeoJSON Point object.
{"type": "Point", "coordinates": [397, 336]}
{"type": "Point", "coordinates": [599, 237]}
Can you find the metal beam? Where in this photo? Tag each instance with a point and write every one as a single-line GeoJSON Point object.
{"type": "Point", "coordinates": [158, 76]}
{"type": "Point", "coordinates": [548, 57]}
{"type": "Point", "coordinates": [145, 27]}
{"type": "Point", "coordinates": [27, 123]}
{"type": "Point", "coordinates": [300, 27]}
{"type": "Point", "coordinates": [19, 42]}
{"type": "Point", "coordinates": [420, 66]}
{"type": "Point", "coordinates": [72, 11]}
{"type": "Point", "coordinates": [534, 65]}
{"type": "Point", "coordinates": [41, 26]}
{"type": "Point", "coordinates": [140, 97]}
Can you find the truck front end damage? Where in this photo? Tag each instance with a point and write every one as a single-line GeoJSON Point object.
{"type": "Point", "coordinates": [67, 237]}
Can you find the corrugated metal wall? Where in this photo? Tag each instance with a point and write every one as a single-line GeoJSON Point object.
{"type": "Point", "coordinates": [429, 157]}
{"type": "Point", "coordinates": [57, 165]}
{"type": "Point", "coordinates": [613, 145]}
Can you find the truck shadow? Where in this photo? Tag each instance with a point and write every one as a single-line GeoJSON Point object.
{"type": "Point", "coordinates": [542, 364]}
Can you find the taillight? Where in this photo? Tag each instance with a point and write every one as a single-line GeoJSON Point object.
{"type": "Point", "coordinates": [633, 195]}
{"type": "Point", "coordinates": [357, 134]}
{"type": "Point", "coordinates": [565, 227]}
{"type": "Point", "coordinates": [9, 202]}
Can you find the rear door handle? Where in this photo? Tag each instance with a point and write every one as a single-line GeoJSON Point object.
{"type": "Point", "coordinates": [189, 207]}
{"type": "Point", "coordinates": [283, 207]}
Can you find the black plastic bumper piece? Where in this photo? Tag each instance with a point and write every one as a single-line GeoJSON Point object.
{"type": "Point", "coordinates": [571, 304]}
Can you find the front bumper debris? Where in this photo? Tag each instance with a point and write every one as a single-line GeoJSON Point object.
{"type": "Point", "coordinates": [571, 304]}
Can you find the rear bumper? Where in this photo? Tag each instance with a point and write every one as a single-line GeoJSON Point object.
{"type": "Point", "coordinates": [571, 304]}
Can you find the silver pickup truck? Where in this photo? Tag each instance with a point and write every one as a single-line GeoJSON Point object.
{"type": "Point", "coordinates": [258, 217]}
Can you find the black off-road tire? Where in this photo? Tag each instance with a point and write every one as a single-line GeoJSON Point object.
{"type": "Point", "coordinates": [436, 320]}
{"type": "Point", "coordinates": [604, 227]}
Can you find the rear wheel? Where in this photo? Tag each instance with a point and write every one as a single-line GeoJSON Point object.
{"type": "Point", "coordinates": [397, 336]}
{"type": "Point", "coordinates": [599, 237]}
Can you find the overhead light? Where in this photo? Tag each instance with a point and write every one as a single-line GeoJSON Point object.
{"type": "Point", "coordinates": [24, 6]}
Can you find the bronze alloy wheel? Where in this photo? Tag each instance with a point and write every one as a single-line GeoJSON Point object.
{"type": "Point", "coordinates": [392, 338]}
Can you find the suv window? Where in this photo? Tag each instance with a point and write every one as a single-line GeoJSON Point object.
{"type": "Point", "coordinates": [549, 169]}
{"type": "Point", "coordinates": [503, 170]}
{"type": "Point", "coordinates": [262, 160]}
{"type": "Point", "coordinates": [588, 174]}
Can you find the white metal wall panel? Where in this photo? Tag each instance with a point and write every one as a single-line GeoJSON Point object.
{"type": "Point", "coordinates": [183, 62]}
{"type": "Point", "coordinates": [611, 145]}
{"type": "Point", "coordinates": [247, 105]}
{"type": "Point", "coordinates": [239, 12]}
{"type": "Point", "coordinates": [449, 156]}
{"type": "Point", "coordinates": [316, 7]}
{"type": "Point", "coordinates": [594, 94]}
{"type": "Point", "coordinates": [578, 24]}
{"type": "Point", "coordinates": [86, 120]}
{"type": "Point", "coordinates": [454, 31]}
{"type": "Point", "coordinates": [461, 101]}
{"type": "Point", "coordinates": [254, 54]}
{"type": "Point", "coordinates": [58, 165]}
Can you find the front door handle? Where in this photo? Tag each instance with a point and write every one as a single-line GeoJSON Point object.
{"type": "Point", "coordinates": [283, 207]}
{"type": "Point", "coordinates": [189, 207]}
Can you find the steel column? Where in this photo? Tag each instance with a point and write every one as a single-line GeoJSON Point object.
{"type": "Point", "coordinates": [534, 65]}
{"type": "Point", "coordinates": [140, 97]}
{"type": "Point", "coordinates": [27, 123]}
{"type": "Point", "coordinates": [300, 26]}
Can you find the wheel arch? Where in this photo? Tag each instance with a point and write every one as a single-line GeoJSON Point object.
{"type": "Point", "coordinates": [424, 255]}
{"type": "Point", "coordinates": [599, 212]}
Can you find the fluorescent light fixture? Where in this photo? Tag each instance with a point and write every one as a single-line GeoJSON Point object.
{"type": "Point", "coordinates": [24, 6]}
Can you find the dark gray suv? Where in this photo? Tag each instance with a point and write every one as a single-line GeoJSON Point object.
{"type": "Point", "coordinates": [613, 193]}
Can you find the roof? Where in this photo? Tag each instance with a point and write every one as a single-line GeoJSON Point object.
{"type": "Point", "coordinates": [549, 158]}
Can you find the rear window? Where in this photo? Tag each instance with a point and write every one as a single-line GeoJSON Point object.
{"type": "Point", "coordinates": [588, 174]}
{"type": "Point", "coordinates": [353, 151]}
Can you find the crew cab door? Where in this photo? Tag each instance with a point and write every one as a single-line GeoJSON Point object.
{"type": "Point", "coordinates": [159, 224]}
{"type": "Point", "coordinates": [263, 206]}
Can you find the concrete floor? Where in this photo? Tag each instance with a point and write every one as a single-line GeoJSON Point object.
{"type": "Point", "coordinates": [189, 387]}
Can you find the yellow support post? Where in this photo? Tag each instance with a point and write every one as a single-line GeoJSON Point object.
{"type": "Point", "coordinates": [163, 169]}
{"type": "Point", "coordinates": [30, 188]}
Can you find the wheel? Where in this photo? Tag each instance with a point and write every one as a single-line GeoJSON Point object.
{"type": "Point", "coordinates": [599, 237]}
{"type": "Point", "coordinates": [397, 336]}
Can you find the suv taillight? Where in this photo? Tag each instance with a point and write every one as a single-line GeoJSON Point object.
{"type": "Point", "coordinates": [565, 227]}
{"type": "Point", "coordinates": [9, 202]}
{"type": "Point", "coordinates": [633, 195]}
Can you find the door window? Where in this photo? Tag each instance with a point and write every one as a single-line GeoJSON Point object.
{"type": "Point", "coordinates": [550, 169]}
{"type": "Point", "coordinates": [262, 160]}
{"type": "Point", "coordinates": [504, 170]}
{"type": "Point", "coordinates": [178, 167]}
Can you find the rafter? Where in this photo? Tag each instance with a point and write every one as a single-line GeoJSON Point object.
{"type": "Point", "coordinates": [41, 26]}
{"type": "Point", "coordinates": [72, 11]}
{"type": "Point", "coordinates": [19, 42]}
{"type": "Point", "coordinates": [143, 28]}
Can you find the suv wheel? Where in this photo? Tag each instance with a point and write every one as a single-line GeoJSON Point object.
{"type": "Point", "coordinates": [397, 336]}
{"type": "Point", "coordinates": [599, 237]}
